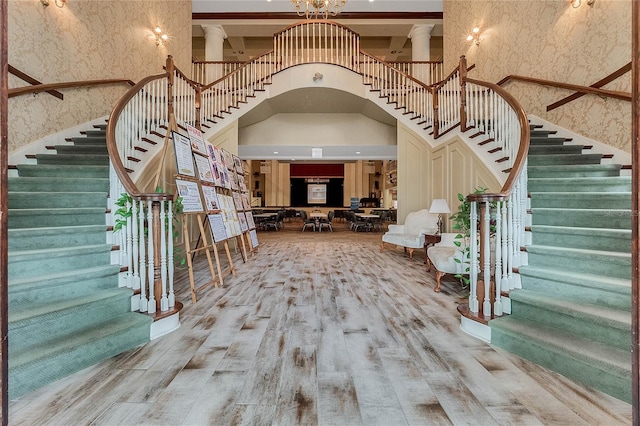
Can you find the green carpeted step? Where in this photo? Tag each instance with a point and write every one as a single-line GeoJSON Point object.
{"type": "Point", "coordinates": [582, 200]}
{"type": "Point", "coordinates": [66, 171]}
{"type": "Point", "coordinates": [548, 149]}
{"type": "Point", "coordinates": [102, 127]}
{"type": "Point", "coordinates": [96, 137]}
{"type": "Point", "coordinates": [604, 263]}
{"type": "Point", "coordinates": [591, 363]}
{"type": "Point", "coordinates": [555, 159]}
{"type": "Point", "coordinates": [46, 218]}
{"type": "Point", "coordinates": [43, 238]}
{"type": "Point", "coordinates": [618, 240]}
{"type": "Point", "coordinates": [30, 324]}
{"type": "Point", "coordinates": [582, 218]}
{"type": "Point", "coordinates": [581, 288]}
{"type": "Point", "coordinates": [33, 263]}
{"type": "Point", "coordinates": [574, 170]}
{"type": "Point", "coordinates": [584, 184]}
{"type": "Point", "coordinates": [539, 133]}
{"type": "Point", "coordinates": [546, 141]}
{"type": "Point", "coordinates": [58, 184]}
{"type": "Point", "coordinates": [59, 286]}
{"type": "Point", "coordinates": [99, 160]}
{"type": "Point", "coordinates": [88, 149]}
{"type": "Point", "coordinates": [600, 324]}
{"type": "Point", "coordinates": [32, 200]}
{"type": "Point", "coordinates": [53, 360]}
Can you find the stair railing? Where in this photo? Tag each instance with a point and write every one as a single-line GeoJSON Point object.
{"type": "Point", "coordinates": [153, 106]}
{"type": "Point", "coordinates": [446, 103]}
{"type": "Point", "coordinates": [497, 219]}
{"type": "Point", "coordinates": [428, 72]}
{"type": "Point", "coordinates": [205, 72]}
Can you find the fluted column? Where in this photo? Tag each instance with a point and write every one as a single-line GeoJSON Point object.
{"type": "Point", "coordinates": [420, 36]}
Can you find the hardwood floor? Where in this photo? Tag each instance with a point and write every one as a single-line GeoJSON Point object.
{"type": "Point", "coordinates": [319, 328]}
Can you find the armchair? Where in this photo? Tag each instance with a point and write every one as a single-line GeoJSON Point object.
{"type": "Point", "coordinates": [443, 257]}
{"type": "Point", "coordinates": [411, 234]}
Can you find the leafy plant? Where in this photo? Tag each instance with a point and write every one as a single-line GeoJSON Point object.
{"type": "Point", "coordinates": [462, 225]}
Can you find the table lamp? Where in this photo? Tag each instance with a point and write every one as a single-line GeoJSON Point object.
{"type": "Point", "coordinates": [439, 206]}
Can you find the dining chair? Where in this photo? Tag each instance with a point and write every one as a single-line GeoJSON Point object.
{"type": "Point", "coordinates": [327, 222]}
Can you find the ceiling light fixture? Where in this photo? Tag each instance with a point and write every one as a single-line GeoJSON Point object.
{"type": "Point", "coordinates": [318, 8]}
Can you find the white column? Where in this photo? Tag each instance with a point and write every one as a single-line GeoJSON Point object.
{"type": "Point", "coordinates": [214, 36]}
{"type": "Point", "coordinates": [420, 36]}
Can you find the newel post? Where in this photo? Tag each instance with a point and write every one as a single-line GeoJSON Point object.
{"type": "Point", "coordinates": [463, 93]}
{"type": "Point", "coordinates": [170, 76]}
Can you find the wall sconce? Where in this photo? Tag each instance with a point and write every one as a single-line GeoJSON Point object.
{"type": "Point", "coordinates": [160, 37]}
{"type": "Point", "coordinates": [59, 3]}
{"type": "Point", "coordinates": [317, 76]}
{"type": "Point", "coordinates": [577, 3]}
{"type": "Point", "coordinates": [474, 37]}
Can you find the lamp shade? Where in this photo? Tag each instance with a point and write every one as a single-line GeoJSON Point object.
{"type": "Point", "coordinates": [439, 205]}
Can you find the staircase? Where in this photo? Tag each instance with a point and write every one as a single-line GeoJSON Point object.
{"type": "Point", "coordinates": [572, 314]}
{"type": "Point", "coordinates": [66, 311]}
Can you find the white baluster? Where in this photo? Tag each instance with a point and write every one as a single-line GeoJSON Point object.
{"type": "Point", "coordinates": [143, 261]}
{"type": "Point", "coordinates": [473, 260]}
{"type": "Point", "coordinates": [486, 267]}
{"type": "Point", "coordinates": [129, 248]}
{"type": "Point", "coordinates": [497, 305]}
{"type": "Point", "coordinates": [172, 297]}
{"type": "Point", "coordinates": [134, 265]}
{"type": "Point", "coordinates": [151, 306]}
{"type": "Point", "coordinates": [164, 301]}
{"type": "Point", "coordinates": [504, 241]}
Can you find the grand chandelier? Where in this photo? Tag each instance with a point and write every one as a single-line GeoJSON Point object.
{"type": "Point", "coordinates": [318, 8]}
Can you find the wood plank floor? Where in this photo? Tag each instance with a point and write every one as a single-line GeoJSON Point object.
{"type": "Point", "coordinates": [319, 328]}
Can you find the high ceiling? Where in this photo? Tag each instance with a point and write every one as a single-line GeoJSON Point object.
{"type": "Point", "coordinates": [383, 25]}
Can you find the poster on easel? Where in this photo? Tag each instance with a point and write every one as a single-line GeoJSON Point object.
{"type": "Point", "coordinates": [254, 238]}
{"type": "Point", "coordinates": [245, 202]}
{"type": "Point", "coordinates": [191, 201]}
{"type": "Point", "coordinates": [250, 221]}
{"type": "Point", "coordinates": [218, 229]}
{"type": "Point", "coordinates": [184, 155]}
{"type": "Point", "coordinates": [237, 201]}
{"type": "Point", "coordinates": [210, 198]}
{"type": "Point", "coordinates": [244, 226]}
{"type": "Point", "coordinates": [197, 141]}
{"type": "Point", "coordinates": [205, 172]}
{"type": "Point", "coordinates": [238, 165]}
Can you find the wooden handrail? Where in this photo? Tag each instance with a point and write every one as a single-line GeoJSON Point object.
{"type": "Point", "coordinates": [112, 148]}
{"type": "Point", "coordinates": [237, 70]}
{"type": "Point", "coordinates": [18, 91]}
{"type": "Point", "coordinates": [608, 79]}
{"type": "Point", "coordinates": [25, 77]}
{"type": "Point", "coordinates": [194, 85]}
{"type": "Point", "coordinates": [420, 83]}
{"type": "Point", "coordinates": [523, 149]}
{"type": "Point", "coordinates": [575, 87]}
{"type": "Point", "coordinates": [315, 21]}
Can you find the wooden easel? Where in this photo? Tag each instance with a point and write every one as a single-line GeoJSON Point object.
{"type": "Point", "coordinates": [205, 246]}
{"type": "Point", "coordinates": [214, 246]}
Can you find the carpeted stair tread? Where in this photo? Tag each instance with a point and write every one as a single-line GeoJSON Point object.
{"type": "Point", "coordinates": [59, 236]}
{"type": "Point", "coordinates": [544, 141]}
{"type": "Point", "coordinates": [556, 159]}
{"type": "Point", "coordinates": [96, 138]}
{"type": "Point", "coordinates": [549, 149]}
{"type": "Point", "coordinates": [580, 184]}
{"type": "Point", "coordinates": [31, 200]}
{"type": "Point", "coordinates": [34, 218]}
{"type": "Point", "coordinates": [67, 171]}
{"type": "Point", "coordinates": [35, 289]}
{"type": "Point", "coordinates": [584, 287]}
{"type": "Point", "coordinates": [26, 315]}
{"type": "Point", "coordinates": [613, 318]}
{"type": "Point", "coordinates": [58, 184]}
{"type": "Point", "coordinates": [50, 361]}
{"type": "Point", "coordinates": [72, 159]}
{"type": "Point", "coordinates": [581, 200]}
{"type": "Point", "coordinates": [536, 132]}
{"type": "Point", "coordinates": [596, 218]}
{"type": "Point", "coordinates": [597, 262]}
{"type": "Point", "coordinates": [592, 363]}
{"type": "Point", "coordinates": [88, 149]}
{"type": "Point", "coordinates": [573, 170]}
{"type": "Point", "coordinates": [605, 239]}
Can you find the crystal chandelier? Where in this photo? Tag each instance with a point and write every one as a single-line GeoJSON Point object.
{"type": "Point", "coordinates": [318, 8]}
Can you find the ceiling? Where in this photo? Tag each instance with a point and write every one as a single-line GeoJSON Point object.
{"type": "Point", "coordinates": [383, 26]}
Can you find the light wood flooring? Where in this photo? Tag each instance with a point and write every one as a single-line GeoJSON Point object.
{"type": "Point", "coordinates": [319, 328]}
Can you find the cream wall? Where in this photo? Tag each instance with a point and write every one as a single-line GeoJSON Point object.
{"type": "Point", "coordinates": [87, 40]}
{"type": "Point", "coordinates": [551, 40]}
{"type": "Point", "coordinates": [426, 173]}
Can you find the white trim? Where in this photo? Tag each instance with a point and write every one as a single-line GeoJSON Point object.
{"type": "Point", "coordinates": [164, 326]}
{"type": "Point", "coordinates": [475, 329]}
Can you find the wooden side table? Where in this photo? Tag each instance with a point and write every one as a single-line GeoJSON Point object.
{"type": "Point", "coordinates": [429, 240]}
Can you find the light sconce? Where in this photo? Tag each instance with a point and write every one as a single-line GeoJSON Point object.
{"type": "Point", "coordinates": [577, 3]}
{"type": "Point", "coordinates": [474, 37]}
{"type": "Point", "coordinates": [59, 3]}
{"type": "Point", "coordinates": [317, 76]}
{"type": "Point", "coordinates": [160, 37]}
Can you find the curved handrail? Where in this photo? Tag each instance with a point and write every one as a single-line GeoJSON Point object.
{"type": "Point", "coordinates": [402, 73]}
{"type": "Point", "coordinates": [236, 71]}
{"type": "Point", "coordinates": [112, 148]}
{"type": "Point", "coordinates": [624, 96]}
{"type": "Point", "coordinates": [314, 21]}
{"type": "Point", "coordinates": [523, 149]}
{"type": "Point", "coordinates": [18, 91]}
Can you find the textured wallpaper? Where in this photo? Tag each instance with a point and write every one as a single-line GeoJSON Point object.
{"type": "Point", "coordinates": [86, 40]}
{"type": "Point", "coordinates": [550, 39]}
